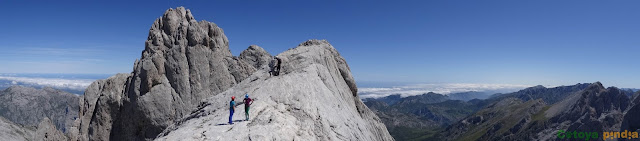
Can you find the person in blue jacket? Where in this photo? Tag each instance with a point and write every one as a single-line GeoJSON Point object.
{"type": "Point", "coordinates": [232, 108]}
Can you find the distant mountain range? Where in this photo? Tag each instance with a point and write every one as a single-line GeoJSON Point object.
{"type": "Point", "coordinates": [413, 116]}
{"type": "Point", "coordinates": [28, 113]}
{"type": "Point", "coordinates": [464, 96]}
{"type": "Point", "coordinates": [4, 84]}
{"type": "Point", "coordinates": [534, 113]}
{"type": "Point", "coordinates": [72, 83]}
{"type": "Point", "coordinates": [28, 106]}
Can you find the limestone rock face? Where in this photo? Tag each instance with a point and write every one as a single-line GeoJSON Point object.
{"type": "Point", "coordinates": [313, 99]}
{"type": "Point", "coordinates": [186, 62]}
{"type": "Point", "coordinates": [239, 69]}
{"type": "Point", "coordinates": [256, 56]}
{"type": "Point", "coordinates": [28, 106]}
{"type": "Point", "coordinates": [48, 132]}
{"type": "Point", "coordinates": [100, 106]}
{"type": "Point", "coordinates": [14, 132]}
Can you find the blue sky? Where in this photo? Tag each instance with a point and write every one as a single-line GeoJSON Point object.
{"type": "Point", "coordinates": [546, 42]}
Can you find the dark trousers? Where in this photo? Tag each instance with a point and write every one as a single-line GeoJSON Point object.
{"type": "Point", "coordinates": [246, 112]}
{"type": "Point", "coordinates": [231, 116]}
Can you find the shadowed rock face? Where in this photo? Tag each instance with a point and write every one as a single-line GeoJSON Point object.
{"type": "Point", "coordinates": [100, 107]}
{"type": "Point", "coordinates": [631, 121]}
{"type": "Point", "coordinates": [28, 106]}
{"type": "Point", "coordinates": [185, 61]}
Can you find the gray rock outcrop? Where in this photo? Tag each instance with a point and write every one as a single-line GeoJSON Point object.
{"type": "Point", "coordinates": [631, 122]}
{"type": "Point", "coordinates": [255, 56]}
{"type": "Point", "coordinates": [28, 106]}
{"type": "Point", "coordinates": [48, 132]}
{"type": "Point", "coordinates": [314, 98]}
{"type": "Point", "coordinates": [100, 107]}
{"type": "Point", "coordinates": [185, 62]}
{"type": "Point", "coordinates": [14, 132]}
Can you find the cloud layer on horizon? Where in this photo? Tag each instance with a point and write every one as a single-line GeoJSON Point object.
{"type": "Point", "coordinates": [59, 83]}
{"type": "Point", "coordinates": [417, 89]}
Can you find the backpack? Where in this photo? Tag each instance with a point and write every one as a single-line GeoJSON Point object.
{"type": "Point", "coordinates": [272, 63]}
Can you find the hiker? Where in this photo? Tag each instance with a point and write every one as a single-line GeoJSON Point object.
{"type": "Point", "coordinates": [272, 66]}
{"type": "Point", "coordinates": [247, 103]}
{"type": "Point", "coordinates": [275, 66]}
{"type": "Point", "coordinates": [232, 108]}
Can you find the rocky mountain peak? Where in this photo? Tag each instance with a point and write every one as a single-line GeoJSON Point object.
{"type": "Point", "coordinates": [184, 62]}
{"type": "Point", "coordinates": [256, 56]}
{"type": "Point", "coordinates": [313, 42]}
{"type": "Point", "coordinates": [596, 86]}
{"type": "Point", "coordinates": [177, 28]}
{"type": "Point", "coordinates": [173, 17]}
{"type": "Point", "coordinates": [594, 108]}
{"type": "Point", "coordinates": [186, 65]}
{"type": "Point", "coordinates": [314, 98]}
{"type": "Point", "coordinates": [318, 52]}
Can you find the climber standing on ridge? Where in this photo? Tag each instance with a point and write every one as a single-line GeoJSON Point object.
{"type": "Point", "coordinates": [247, 103]}
{"type": "Point", "coordinates": [279, 66]}
{"type": "Point", "coordinates": [275, 66]}
{"type": "Point", "coordinates": [232, 108]}
{"type": "Point", "coordinates": [272, 66]}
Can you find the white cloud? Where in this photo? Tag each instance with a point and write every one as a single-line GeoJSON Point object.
{"type": "Point", "coordinates": [417, 89]}
{"type": "Point", "coordinates": [74, 84]}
